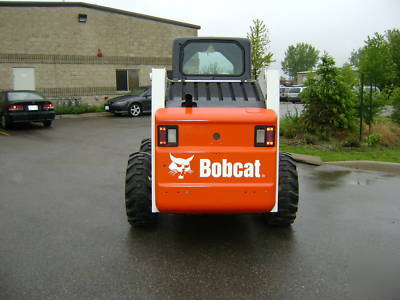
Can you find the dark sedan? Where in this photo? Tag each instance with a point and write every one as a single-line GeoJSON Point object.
{"type": "Point", "coordinates": [134, 103]}
{"type": "Point", "coordinates": [25, 107]}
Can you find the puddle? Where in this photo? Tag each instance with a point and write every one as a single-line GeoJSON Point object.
{"type": "Point", "coordinates": [329, 177]}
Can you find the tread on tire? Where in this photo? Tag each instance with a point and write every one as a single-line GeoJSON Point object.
{"type": "Point", "coordinates": [138, 190]}
{"type": "Point", "coordinates": [288, 193]}
{"type": "Point", "coordinates": [145, 146]}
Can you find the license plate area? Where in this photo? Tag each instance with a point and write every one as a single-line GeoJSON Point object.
{"type": "Point", "coordinates": [33, 107]}
{"type": "Point", "coordinates": [215, 198]}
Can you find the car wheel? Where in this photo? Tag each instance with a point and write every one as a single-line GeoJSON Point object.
{"type": "Point", "coordinates": [5, 123]}
{"type": "Point", "coordinates": [47, 123]}
{"type": "Point", "coordinates": [135, 110]}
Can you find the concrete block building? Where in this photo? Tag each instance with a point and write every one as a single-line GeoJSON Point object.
{"type": "Point", "coordinates": [81, 50]}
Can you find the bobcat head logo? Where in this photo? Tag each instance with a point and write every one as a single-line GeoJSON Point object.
{"type": "Point", "coordinates": [180, 166]}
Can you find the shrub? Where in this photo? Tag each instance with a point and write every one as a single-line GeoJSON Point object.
{"type": "Point", "coordinates": [310, 139]}
{"type": "Point", "coordinates": [351, 143]}
{"type": "Point", "coordinates": [389, 131]}
{"type": "Point", "coordinates": [291, 125]}
{"type": "Point", "coordinates": [329, 102]}
{"type": "Point", "coordinates": [78, 109]}
{"type": "Point", "coordinates": [373, 139]}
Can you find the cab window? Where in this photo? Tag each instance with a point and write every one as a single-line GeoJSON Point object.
{"type": "Point", "coordinates": [210, 58]}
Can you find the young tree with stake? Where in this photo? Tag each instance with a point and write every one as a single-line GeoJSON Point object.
{"type": "Point", "coordinates": [260, 56]}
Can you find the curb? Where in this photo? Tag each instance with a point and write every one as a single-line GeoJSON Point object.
{"type": "Point", "coordinates": [88, 115]}
{"type": "Point", "coordinates": [366, 165]}
{"type": "Point", "coordinates": [307, 159]}
{"type": "Point", "coordinates": [376, 166]}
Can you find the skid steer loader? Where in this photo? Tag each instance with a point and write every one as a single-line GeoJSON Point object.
{"type": "Point", "coordinates": [214, 146]}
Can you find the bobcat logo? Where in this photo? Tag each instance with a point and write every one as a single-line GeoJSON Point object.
{"type": "Point", "coordinates": [180, 166]}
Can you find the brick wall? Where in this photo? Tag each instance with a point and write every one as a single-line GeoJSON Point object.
{"type": "Point", "coordinates": [64, 51]}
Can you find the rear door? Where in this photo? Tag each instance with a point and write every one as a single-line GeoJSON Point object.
{"type": "Point", "coordinates": [215, 165]}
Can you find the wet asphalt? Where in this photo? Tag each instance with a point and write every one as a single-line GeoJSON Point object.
{"type": "Point", "coordinates": [64, 235]}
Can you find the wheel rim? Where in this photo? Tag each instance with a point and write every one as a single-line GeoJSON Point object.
{"type": "Point", "coordinates": [134, 110]}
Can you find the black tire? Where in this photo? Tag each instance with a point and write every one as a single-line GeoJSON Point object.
{"type": "Point", "coordinates": [288, 193]}
{"type": "Point", "coordinates": [135, 110]}
{"type": "Point", "coordinates": [145, 146]}
{"type": "Point", "coordinates": [47, 123]}
{"type": "Point", "coordinates": [138, 190]}
{"type": "Point", "coordinates": [5, 122]}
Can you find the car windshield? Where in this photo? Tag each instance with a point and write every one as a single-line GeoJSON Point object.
{"type": "Point", "coordinates": [212, 58]}
{"type": "Point", "coordinates": [294, 90]}
{"type": "Point", "coordinates": [24, 96]}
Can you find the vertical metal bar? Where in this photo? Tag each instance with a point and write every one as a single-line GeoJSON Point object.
{"type": "Point", "coordinates": [361, 105]}
{"type": "Point", "coordinates": [370, 108]}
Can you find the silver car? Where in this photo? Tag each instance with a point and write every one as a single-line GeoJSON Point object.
{"type": "Point", "coordinates": [293, 93]}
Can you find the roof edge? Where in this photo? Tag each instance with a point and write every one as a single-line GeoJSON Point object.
{"type": "Point", "coordinates": [96, 7]}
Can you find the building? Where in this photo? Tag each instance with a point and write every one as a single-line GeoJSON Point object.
{"type": "Point", "coordinates": [302, 76]}
{"type": "Point", "coordinates": [80, 50]}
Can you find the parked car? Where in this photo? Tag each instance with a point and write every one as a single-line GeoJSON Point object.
{"type": "Point", "coordinates": [283, 93]}
{"type": "Point", "coordinates": [293, 93]}
{"type": "Point", "coordinates": [368, 88]}
{"type": "Point", "coordinates": [25, 107]}
{"type": "Point", "coordinates": [135, 103]}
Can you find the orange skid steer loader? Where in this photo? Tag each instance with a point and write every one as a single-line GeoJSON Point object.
{"type": "Point", "coordinates": [214, 147]}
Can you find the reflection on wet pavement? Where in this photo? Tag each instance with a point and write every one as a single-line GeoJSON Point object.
{"type": "Point", "coordinates": [325, 178]}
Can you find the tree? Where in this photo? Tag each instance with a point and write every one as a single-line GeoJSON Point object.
{"type": "Point", "coordinates": [329, 101]}
{"type": "Point", "coordinates": [355, 58]}
{"type": "Point", "coordinates": [376, 62]}
{"type": "Point", "coordinates": [260, 56]}
{"type": "Point", "coordinates": [393, 37]}
{"type": "Point", "coordinates": [302, 57]}
{"type": "Point", "coordinates": [395, 101]}
{"type": "Point", "coordinates": [350, 76]}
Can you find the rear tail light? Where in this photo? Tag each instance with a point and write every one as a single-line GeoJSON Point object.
{"type": "Point", "coordinates": [264, 136]}
{"type": "Point", "coordinates": [16, 107]}
{"type": "Point", "coordinates": [48, 106]}
{"type": "Point", "coordinates": [167, 135]}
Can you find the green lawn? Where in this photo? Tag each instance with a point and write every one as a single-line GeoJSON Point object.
{"type": "Point", "coordinates": [392, 155]}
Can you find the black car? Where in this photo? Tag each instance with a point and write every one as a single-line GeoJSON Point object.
{"type": "Point", "coordinates": [134, 103]}
{"type": "Point", "coordinates": [25, 107]}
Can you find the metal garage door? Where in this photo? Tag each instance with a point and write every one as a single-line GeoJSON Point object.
{"type": "Point", "coordinates": [24, 78]}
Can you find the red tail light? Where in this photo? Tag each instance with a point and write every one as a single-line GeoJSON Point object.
{"type": "Point", "coordinates": [167, 135]}
{"type": "Point", "coordinates": [264, 136]}
{"type": "Point", "coordinates": [48, 106]}
{"type": "Point", "coordinates": [16, 107]}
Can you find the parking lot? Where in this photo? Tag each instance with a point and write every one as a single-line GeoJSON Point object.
{"type": "Point", "coordinates": [64, 234]}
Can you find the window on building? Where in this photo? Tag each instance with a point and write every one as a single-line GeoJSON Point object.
{"type": "Point", "coordinates": [82, 18]}
{"type": "Point", "coordinates": [127, 80]}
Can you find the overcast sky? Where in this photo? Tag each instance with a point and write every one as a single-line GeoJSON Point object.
{"type": "Point", "coordinates": [335, 26]}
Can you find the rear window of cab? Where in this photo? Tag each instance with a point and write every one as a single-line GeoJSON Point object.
{"type": "Point", "coordinates": [212, 58]}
